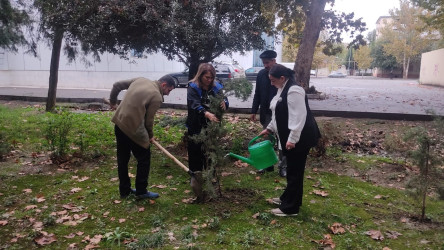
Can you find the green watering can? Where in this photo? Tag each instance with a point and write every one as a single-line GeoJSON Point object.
{"type": "Point", "coordinates": [262, 154]}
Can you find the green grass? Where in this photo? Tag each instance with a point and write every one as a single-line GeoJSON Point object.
{"type": "Point", "coordinates": [226, 223]}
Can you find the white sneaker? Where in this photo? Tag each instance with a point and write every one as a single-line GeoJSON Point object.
{"type": "Point", "coordinates": [278, 212]}
{"type": "Point", "coordinates": [276, 201]}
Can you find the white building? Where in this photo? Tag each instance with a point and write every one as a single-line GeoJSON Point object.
{"type": "Point", "coordinates": [23, 69]}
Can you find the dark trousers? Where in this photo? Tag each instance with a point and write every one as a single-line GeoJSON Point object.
{"type": "Point", "coordinates": [124, 148]}
{"type": "Point", "coordinates": [196, 156]}
{"type": "Point", "coordinates": [292, 196]}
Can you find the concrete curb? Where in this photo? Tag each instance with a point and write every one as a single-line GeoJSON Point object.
{"type": "Point", "coordinates": [326, 113]}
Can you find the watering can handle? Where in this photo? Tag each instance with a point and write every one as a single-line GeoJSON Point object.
{"type": "Point", "coordinates": [272, 139]}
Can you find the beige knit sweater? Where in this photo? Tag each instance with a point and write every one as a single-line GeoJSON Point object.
{"type": "Point", "coordinates": [135, 114]}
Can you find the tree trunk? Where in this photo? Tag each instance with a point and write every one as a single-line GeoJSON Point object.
{"type": "Point", "coordinates": [407, 69]}
{"type": "Point", "coordinates": [426, 181]}
{"type": "Point", "coordinates": [54, 69]}
{"type": "Point", "coordinates": [306, 50]}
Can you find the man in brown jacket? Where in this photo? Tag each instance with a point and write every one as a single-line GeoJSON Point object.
{"type": "Point", "coordinates": [133, 121]}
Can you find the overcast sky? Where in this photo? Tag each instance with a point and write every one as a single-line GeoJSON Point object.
{"type": "Point", "coordinates": [370, 11]}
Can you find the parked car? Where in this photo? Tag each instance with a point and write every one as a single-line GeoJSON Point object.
{"type": "Point", "coordinates": [335, 74]}
{"type": "Point", "coordinates": [251, 73]}
{"type": "Point", "coordinates": [239, 72]}
{"type": "Point", "coordinates": [312, 72]}
{"type": "Point", "coordinates": [224, 72]}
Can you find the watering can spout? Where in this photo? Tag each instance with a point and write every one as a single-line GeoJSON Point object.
{"type": "Point", "coordinates": [244, 159]}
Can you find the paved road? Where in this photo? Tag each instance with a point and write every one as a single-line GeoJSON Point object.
{"type": "Point", "coordinates": [351, 94]}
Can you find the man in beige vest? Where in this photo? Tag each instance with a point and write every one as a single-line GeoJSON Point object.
{"type": "Point", "coordinates": [133, 121]}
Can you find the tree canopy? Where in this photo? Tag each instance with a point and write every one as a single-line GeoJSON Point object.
{"type": "Point", "coordinates": [407, 35]}
{"type": "Point", "coordinates": [435, 13]}
{"type": "Point", "coordinates": [11, 21]}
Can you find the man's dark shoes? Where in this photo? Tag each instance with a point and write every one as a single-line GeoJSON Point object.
{"type": "Point", "coordinates": [132, 191]}
{"type": "Point", "coordinates": [147, 195]}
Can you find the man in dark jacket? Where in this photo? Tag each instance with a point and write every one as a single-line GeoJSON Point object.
{"type": "Point", "coordinates": [262, 97]}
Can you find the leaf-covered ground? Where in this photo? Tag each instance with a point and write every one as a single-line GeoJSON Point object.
{"type": "Point", "coordinates": [355, 195]}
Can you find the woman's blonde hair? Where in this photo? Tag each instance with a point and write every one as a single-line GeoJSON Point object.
{"type": "Point", "coordinates": [202, 70]}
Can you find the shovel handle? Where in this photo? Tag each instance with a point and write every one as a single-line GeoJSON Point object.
{"type": "Point", "coordinates": [171, 156]}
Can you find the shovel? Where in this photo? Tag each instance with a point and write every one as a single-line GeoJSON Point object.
{"type": "Point", "coordinates": [196, 178]}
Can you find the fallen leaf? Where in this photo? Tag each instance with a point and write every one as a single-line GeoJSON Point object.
{"type": "Point", "coordinates": [187, 191]}
{"type": "Point", "coordinates": [326, 241]}
{"type": "Point", "coordinates": [63, 212]}
{"type": "Point", "coordinates": [392, 234]}
{"type": "Point", "coordinates": [378, 196]}
{"type": "Point", "coordinates": [375, 234]}
{"type": "Point", "coordinates": [41, 199]}
{"type": "Point", "coordinates": [106, 214]}
{"type": "Point", "coordinates": [3, 222]}
{"type": "Point", "coordinates": [79, 233]}
{"type": "Point", "coordinates": [114, 179]}
{"type": "Point", "coordinates": [122, 220]}
{"type": "Point", "coordinates": [160, 186]}
{"type": "Point", "coordinates": [72, 246]}
{"type": "Point", "coordinates": [258, 178]}
{"type": "Point", "coordinates": [38, 225]}
{"type": "Point", "coordinates": [28, 190]}
{"type": "Point", "coordinates": [171, 236]}
{"type": "Point", "coordinates": [169, 177]}
{"type": "Point", "coordinates": [90, 246]}
{"type": "Point", "coordinates": [255, 215]}
{"type": "Point", "coordinates": [320, 193]}
{"type": "Point", "coordinates": [70, 223]}
{"type": "Point", "coordinates": [152, 202]}
{"type": "Point", "coordinates": [117, 202]}
{"type": "Point", "coordinates": [131, 175]}
{"type": "Point", "coordinates": [96, 239]}
{"type": "Point", "coordinates": [70, 236]}
{"type": "Point", "coordinates": [188, 201]}
{"type": "Point", "coordinates": [273, 222]}
{"type": "Point", "coordinates": [223, 174]}
{"type": "Point", "coordinates": [75, 190]}
{"type": "Point", "coordinates": [386, 248]}
{"type": "Point", "coordinates": [424, 242]}
{"type": "Point", "coordinates": [45, 239]}
{"type": "Point", "coordinates": [337, 228]}
{"type": "Point", "coordinates": [84, 178]}
{"type": "Point", "coordinates": [30, 207]}
{"type": "Point", "coordinates": [141, 209]}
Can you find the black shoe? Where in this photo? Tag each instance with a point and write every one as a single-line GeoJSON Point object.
{"type": "Point", "coordinates": [132, 191]}
{"type": "Point", "coordinates": [283, 172]}
{"type": "Point", "coordinates": [262, 171]}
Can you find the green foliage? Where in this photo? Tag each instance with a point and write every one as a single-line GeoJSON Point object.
{"type": "Point", "coordinates": [154, 240]}
{"type": "Point", "coordinates": [241, 88]}
{"type": "Point", "coordinates": [427, 160]}
{"type": "Point", "coordinates": [381, 59]}
{"type": "Point", "coordinates": [11, 21]}
{"type": "Point", "coordinates": [434, 17]}
{"type": "Point", "coordinates": [117, 235]}
{"type": "Point", "coordinates": [58, 127]}
{"type": "Point", "coordinates": [210, 138]}
{"type": "Point", "coordinates": [350, 201]}
{"type": "Point", "coordinates": [5, 147]}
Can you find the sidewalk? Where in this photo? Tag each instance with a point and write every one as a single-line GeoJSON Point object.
{"type": "Point", "coordinates": [346, 97]}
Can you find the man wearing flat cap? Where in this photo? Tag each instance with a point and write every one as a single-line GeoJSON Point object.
{"type": "Point", "coordinates": [262, 97]}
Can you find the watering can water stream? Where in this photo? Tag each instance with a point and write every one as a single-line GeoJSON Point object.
{"type": "Point", "coordinates": [262, 154]}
